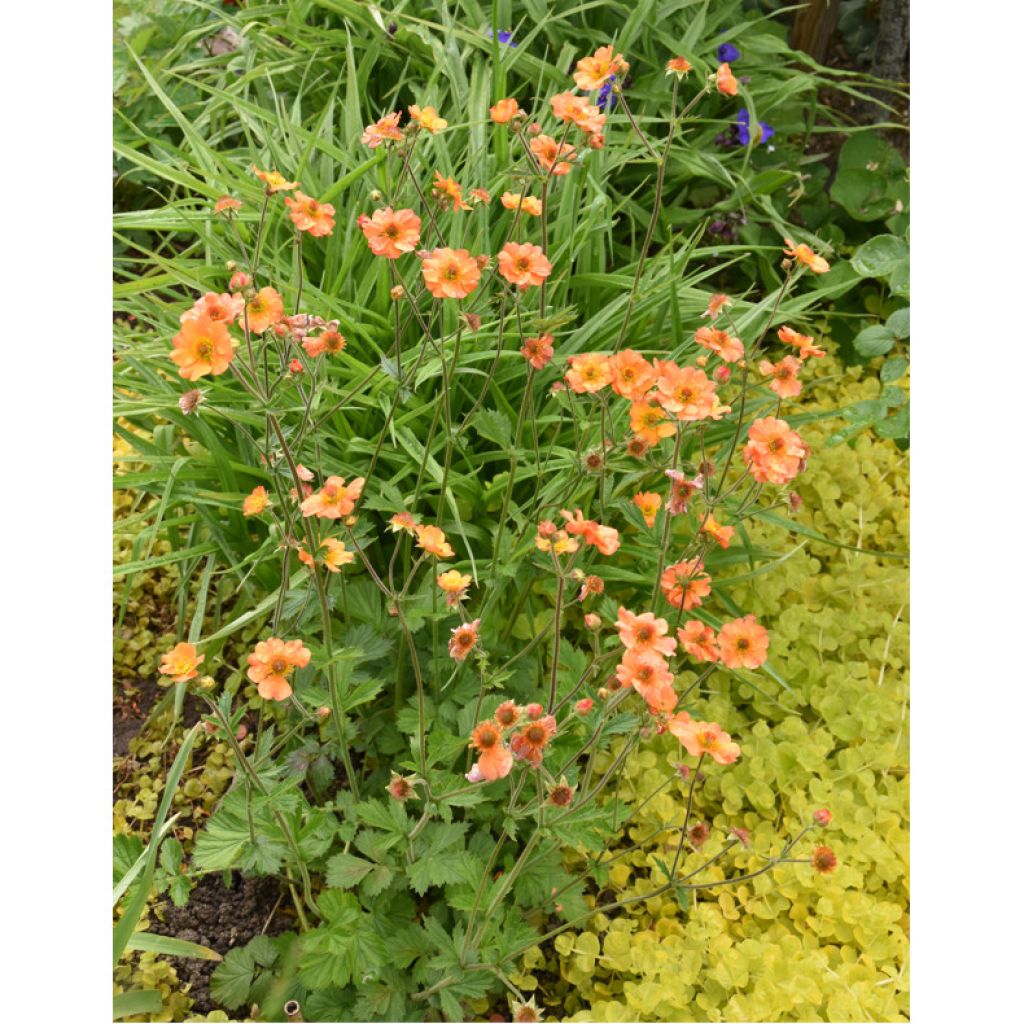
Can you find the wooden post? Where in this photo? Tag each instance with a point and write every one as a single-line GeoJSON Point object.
{"type": "Point", "coordinates": [813, 27]}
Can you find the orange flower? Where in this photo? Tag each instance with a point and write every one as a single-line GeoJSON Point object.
{"type": "Point", "coordinates": [403, 521]}
{"type": "Point", "coordinates": [646, 671]}
{"type": "Point", "coordinates": [685, 584]}
{"type": "Point", "coordinates": [699, 641]}
{"type": "Point", "coordinates": [309, 214]}
{"type": "Point", "coordinates": [335, 499]}
{"type": "Point", "coordinates": [774, 453]}
{"type": "Point", "coordinates": [305, 557]}
{"type": "Point", "coordinates": [255, 502]}
{"type": "Point", "coordinates": [744, 643]}
{"type": "Point", "coordinates": [448, 191]}
{"type": "Point", "coordinates": [432, 540]}
{"type": "Point", "coordinates": [604, 538]}
{"type": "Point", "coordinates": [557, 540]}
{"type": "Point", "coordinates": [803, 342]}
{"type": "Point", "coordinates": [528, 204]}
{"type": "Point", "coordinates": [202, 346]}
{"type": "Point", "coordinates": [390, 233]}
{"type": "Point", "coordinates": [648, 502]}
{"type": "Point", "coordinates": [704, 738]}
{"type": "Point", "coordinates": [687, 392]}
{"type": "Point", "coordinates": [805, 254]}
{"type": "Point", "coordinates": [725, 80]}
{"type": "Point", "coordinates": [274, 181]}
{"type": "Point", "coordinates": [504, 110]}
{"type": "Point", "coordinates": [722, 535]}
{"type": "Point", "coordinates": [593, 72]}
{"type": "Point", "coordinates": [427, 119]}
{"type": "Point", "coordinates": [682, 490]}
{"type": "Point", "coordinates": [454, 584]}
{"type": "Point", "coordinates": [644, 633]}
{"type": "Point", "coordinates": [481, 195]}
{"type": "Point", "coordinates": [721, 343]}
{"type": "Point", "coordinates": [263, 310]}
{"type": "Point", "coordinates": [632, 375]}
{"type": "Point", "coordinates": [823, 860]}
{"type": "Point", "coordinates": [523, 265]}
{"type": "Point", "coordinates": [507, 714]}
{"type": "Point", "coordinates": [337, 555]}
{"type": "Point", "coordinates": [450, 273]}
{"type": "Point", "coordinates": [383, 130]}
{"type": "Point", "coordinates": [648, 421]}
{"type": "Point", "coordinates": [272, 662]}
{"type": "Point", "coordinates": [551, 155]}
{"type": "Point", "coordinates": [329, 341]}
{"type": "Point", "coordinates": [464, 638]}
{"type": "Point", "coordinates": [495, 760]}
{"type": "Point", "coordinates": [588, 373]}
{"type": "Point", "coordinates": [225, 308]}
{"type": "Point", "coordinates": [569, 107]}
{"type": "Point", "coordinates": [716, 304]}
{"type": "Point", "coordinates": [678, 66]}
{"type": "Point", "coordinates": [528, 744]}
{"type": "Point", "coordinates": [227, 203]}
{"type": "Point", "coordinates": [538, 351]}
{"type": "Point", "coordinates": [786, 382]}
{"type": "Point", "coordinates": [181, 662]}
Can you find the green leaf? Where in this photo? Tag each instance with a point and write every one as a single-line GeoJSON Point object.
{"type": "Point", "coordinates": [231, 981]}
{"type": "Point", "coordinates": [899, 322]}
{"type": "Point", "coordinates": [167, 945]}
{"type": "Point", "coordinates": [879, 256]}
{"type": "Point", "coordinates": [495, 426]}
{"type": "Point", "coordinates": [893, 369]}
{"type": "Point", "coordinates": [874, 341]}
{"type": "Point", "coordinates": [895, 426]}
{"type": "Point", "coordinates": [139, 1001]}
{"type": "Point", "coordinates": [345, 871]}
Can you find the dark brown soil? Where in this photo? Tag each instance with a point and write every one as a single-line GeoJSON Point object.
{"type": "Point", "coordinates": [131, 708]}
{"type": "Point", "coordinates": [222, 919]}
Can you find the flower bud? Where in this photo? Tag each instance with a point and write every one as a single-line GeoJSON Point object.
{"type": "Point", "coordinates": [702, 360]}
{"type": "Point", "coordinates": [472, 321]}
{"type": "Point", "coordinates": [595, 140]}
{"type": "Point", "coordinates": [795, 501]}
{"type": "Point", "coordinates": [592, 621]}
{"type": "Point", "coordinates": [323, 712]}
{"type": "Point", "coordinates": [239, 280]}
{"type": "Point", "coordinates": [822, 816]}
{"type": "Point", "coordinates": [602, 693]}
{"type": "Point", "coordinates": [534, 129]}
{"type": "Point", "coordinates": [534, 711]}
{"type": "Point", "coordinates": [376, 196]}
{"type": "Point", "coordinates": [584, 707]}
{"type": "Point", "coordinates": [397, 292]}
{"type": "Point", "coordinates": [721, 374]}
{"type": "Point", "coordinates": [295, 366]}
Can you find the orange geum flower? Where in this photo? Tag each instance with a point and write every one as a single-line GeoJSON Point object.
{"type": "Point", "coordinates": [805, 254]}
{"type": "Point", "coordinates": [685, 584]}
{"type": "Point", "coordinates": [558, 541]}
{"type": "Point", "coordinates": [454, 584]}
{"type": "Point", "coordinates": [335, 499]}
{"type": "Point", "coordinates": [272, 662]}
{"type": "Point", "coordinates": [632, 375]}
{"type": "Point", "coordinates": [604, 538]}
{"type": "Point", "coordinates": [403, 521]}
{"type": "Point", "coordinates": [648, 421]}
{"type": "Point", "coordinates": [481, 195]}
{"type": "Point", "coordinates": [495, 760]}
{"type": "Point", "coordinates": [507, 714]}
{"type": "Point", "coordinates": [661, 698]}
{"type": "Point", "coordinates": [382, 131]}
{"type": "Point", "coordinates": [804, 342]}
{"type": "Point", "coordinates": [450, 273]}
{"type": "Point", "coordinates": [528, 204]}
{"type": "Point", "coordinates": [309, 214]}
{"type": "Point", "coordinates": [644, 633]}
{"type": "Point", "coordinates": [569, 107]}
{"type": "Point", "coordinates": [330, 341]}
{"type": "Point", "coordinates": [427, 118]}
{"type": "Point", "coordinates": [181, 662]}
{"type": "Point", "coordinates": [336, 555]}
{"type": "Point", "coordinates": [716, 304]}
{"type": "Point", "coordinates": [275, 181]}
{"type": "Point", "coordinates": [255, 502]}
{"type": "Point", "coordinates": [390, 233]}
{"type": "Point", "coordinates": [721, 535]}
{"type": "Point", "coordinates": [785, 375]}
{"type": "Point", "coordinates": [701, 738]}
{"type": "Point", "coordinates": [774, 453]}
{"type": "Point", "coordinates": [588, 373]}
{"type": "Point", "coordinates": [593, 72]}
{"type": "Point", "coordinates": [263, 310]}
{"type": "Point", "coordinates": [504, 110]}
{"type": "Point", "coordinates": [722, 343]}
{"type": "Point", "coordinates": [682, 490]}
{"type": "Point", "coordinates": [224, 307]}
{"type": "Point", "coordinates": [528, 744]}
{"type": "Point", "coordinates": [823, 860]}
{"type": "Point", "coordinates": [226, 204]}
{"type": "Point", "coordinates": [686, 392]}
{"type": "Point", "coordinates": [552, 156]}
{"type": "Point", "coordinates": [523, 265]}
{"type": "Point", "coordinates": [645, 671]}
{"type": "Point", "coordinates": [648, 502]}
{"type": "Point", "coordinates": [725, 81]}
{"type": "Point", "coordinates": [743, 643]}
{"type": "Point", "coordinates": [447, 191]}
{"type": "Point", "coordinates": [202, 346]}
{"type": "Point", "coordinates": [538, 351]}
{"type": "Point", "coordinates": [678, 66]}
{"type": "Point", "coordinates": [463, 639]}
{"type": "Point", "coordinates": [698, 640]}
{"type": "Point", "coordinates": [432, 540]}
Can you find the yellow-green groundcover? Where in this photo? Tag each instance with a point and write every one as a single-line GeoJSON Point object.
{"type": "Point", "coordinates": [790, 945]}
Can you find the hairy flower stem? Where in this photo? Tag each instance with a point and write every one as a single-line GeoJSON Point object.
{"type": "Point", "coordinates": [513, 461]}
{"type": "Point", "coordinates": [559, 596]}
{"type": "Point", "coordinates": [666, 526]}
{"type": "Point", "coordinates": [686, 817]}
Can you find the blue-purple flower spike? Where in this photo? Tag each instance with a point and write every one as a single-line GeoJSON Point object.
{"type": "Point", "coordinates": [727, 53]}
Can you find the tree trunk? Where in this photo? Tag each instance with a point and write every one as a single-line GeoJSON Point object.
{"type": "Point", "coordinates": [892, 46]}
{"type": "Point", "coordinates": [813, 27]}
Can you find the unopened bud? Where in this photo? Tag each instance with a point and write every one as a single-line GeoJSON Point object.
{"type": "Point", "coordinates": [592, 621]}
{"type": "Point", "coordinates": [239, 280]}
{"type": "Point", "coordinates": [533, 129]}
{"type": "Point", "coordinates": [602, 693]}
{"type": "Point", "coordinates": [822, 816]}
{"type": "Point", "coordinates": [795, 501]}
{"type": "Point", "coordinates": [241, 732]}
{"type": "Point", "coordinates": [702, 360]}
{"type": "Point", "coordinates": [376, 195]}
{"type": "Point", "coordinates": [295, 366]}
{"type": "Point", "coordinates": [721, 374]}
{"type": "Point", "coordinates": [584, 707]}
{"type": "Point", "coordinates": [397, 292]}
{"type": "Point", "coordinates": [534, 711]}
{"type": "Point", "coordinates": [472, 321]}
{"type": "Point", "coordinates": [323, 712]}
{"type": "Point", "coordinates": [596, 140]}
{"type": "Point", "coordinates": [230, 265]}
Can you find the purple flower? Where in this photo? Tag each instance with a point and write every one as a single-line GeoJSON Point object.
{"type": "Point", "coordinates": [727, 53]}
{"type": "Point", "coordinates": [743, 128]}
{"type": "Point", "coordinates": [606, 98]}
{"type": "Point", "coordinates": [503, 37]}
